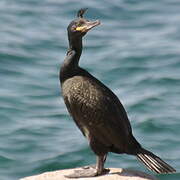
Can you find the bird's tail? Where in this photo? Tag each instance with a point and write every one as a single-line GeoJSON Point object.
{"type": "Point", "coordinates": [153, 162]}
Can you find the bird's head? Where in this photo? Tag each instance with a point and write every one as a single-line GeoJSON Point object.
{"type": "Point", "coordinates": [80, 26]}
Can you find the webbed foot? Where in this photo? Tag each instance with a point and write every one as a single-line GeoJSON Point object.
{"type": "Point", "coordinates": [87, 171]}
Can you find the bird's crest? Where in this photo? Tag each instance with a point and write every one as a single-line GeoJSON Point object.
{"type": "Point", "coordinates": [81, 12]}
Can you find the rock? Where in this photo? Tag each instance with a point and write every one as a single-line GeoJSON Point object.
{"type": "Point", "coordinates": [114, 174]}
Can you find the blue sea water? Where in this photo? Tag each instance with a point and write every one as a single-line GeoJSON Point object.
{"type": "Point", "coordinates": [135, 52]}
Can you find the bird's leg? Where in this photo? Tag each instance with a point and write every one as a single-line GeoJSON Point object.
{"type": "Point", "coordinates": [91, 171]}
{"type": "Point", "coordinates": [100, 164]}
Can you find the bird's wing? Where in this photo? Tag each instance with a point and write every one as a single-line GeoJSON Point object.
{"type": "Point", "coordinates": [98, 112]}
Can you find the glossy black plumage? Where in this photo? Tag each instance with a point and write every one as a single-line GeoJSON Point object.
{"type": "Point", "coordinates": [96, 110]}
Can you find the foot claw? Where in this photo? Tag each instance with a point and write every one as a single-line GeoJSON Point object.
{"type": "Point", "coordinates": [105, 171]}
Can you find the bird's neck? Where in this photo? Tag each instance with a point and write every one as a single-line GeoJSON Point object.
{"type": "Point", "coordinates": [75, 44]}
{"type": "Point", "coordinates": [70, 66]}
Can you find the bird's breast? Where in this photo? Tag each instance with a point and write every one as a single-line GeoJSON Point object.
{"type": "Point", "coordinates": [82, 90]}
{"type": "Point", "coordinates": [85, 99]}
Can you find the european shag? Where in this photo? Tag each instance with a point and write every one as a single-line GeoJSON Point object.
{"type": "Point", "coordinates": [96, 110]}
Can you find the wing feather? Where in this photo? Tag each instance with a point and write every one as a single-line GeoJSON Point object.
{"type": "Point", "coordinates": [96, 109]}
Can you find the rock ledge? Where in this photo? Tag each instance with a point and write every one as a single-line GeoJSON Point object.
{"type": "Point", "coordinates": [114, 174]}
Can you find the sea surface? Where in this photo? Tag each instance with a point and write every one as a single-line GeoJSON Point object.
{"type": "Point", "coordinates": [135, 52]}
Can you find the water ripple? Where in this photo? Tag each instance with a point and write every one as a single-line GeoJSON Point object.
{"type": "Point", "coordinates": [135, 52]}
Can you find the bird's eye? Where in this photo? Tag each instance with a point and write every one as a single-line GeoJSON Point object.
{"type": "Point", "coordinates": [80, 23]}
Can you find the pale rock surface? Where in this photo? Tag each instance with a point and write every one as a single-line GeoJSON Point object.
{"type": "Point", "coordinates": [114, 174]}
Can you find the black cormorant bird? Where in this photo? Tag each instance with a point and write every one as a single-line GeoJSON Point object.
{"type": "Point", "coordinates": [96, 110]}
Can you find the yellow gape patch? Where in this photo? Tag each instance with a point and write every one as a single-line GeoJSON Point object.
{"type": "Point", "coordinates": [81, 28]}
